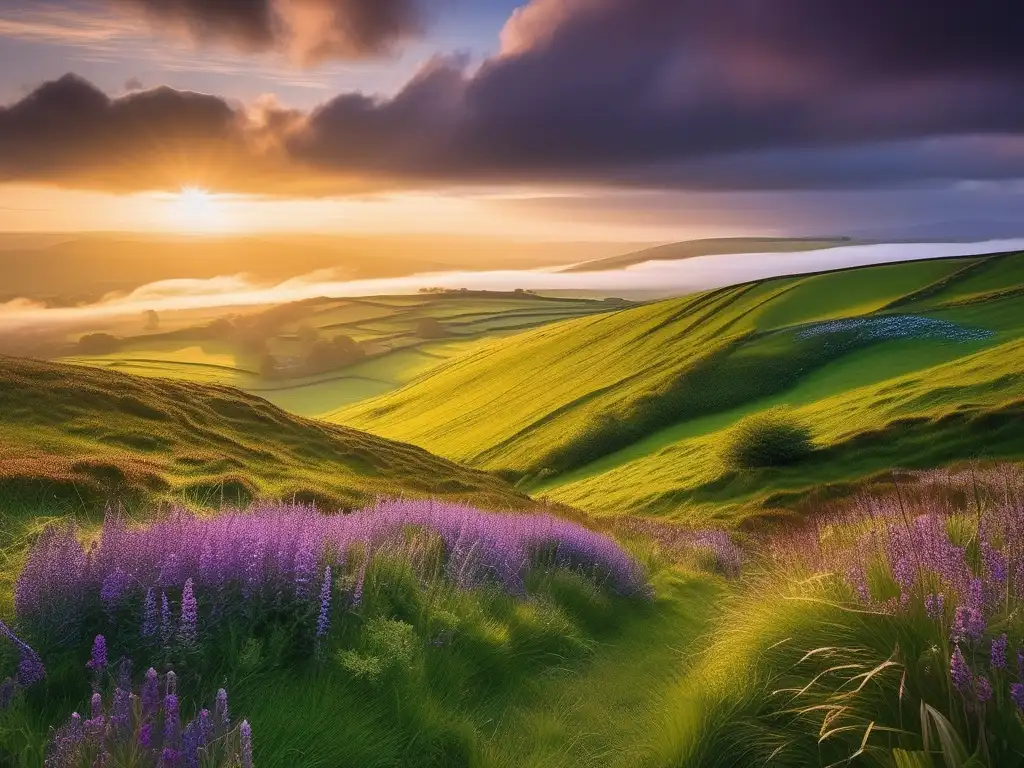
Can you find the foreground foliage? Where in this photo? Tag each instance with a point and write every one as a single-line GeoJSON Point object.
{"type": "Point", "coordinates": [889, 634]}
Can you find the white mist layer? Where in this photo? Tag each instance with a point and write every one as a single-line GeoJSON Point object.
{"type": "Point", "coordinates": [651, 278]}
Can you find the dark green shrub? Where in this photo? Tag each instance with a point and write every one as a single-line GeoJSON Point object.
{"type": "Point", "coordinates": [769, 439]}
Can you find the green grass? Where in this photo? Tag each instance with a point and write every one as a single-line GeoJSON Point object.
{"type": "Point", "coordinates": [385, 325]}
{"type": "Point", "coordinates": [624, 412]}
{"type": "Point", "coordinates": [77, 437]}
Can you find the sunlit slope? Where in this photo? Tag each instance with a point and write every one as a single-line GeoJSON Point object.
{"type": "Point", "coordinates": [83, 436]}
{"type": "Point", "coordinates": [561, 406]}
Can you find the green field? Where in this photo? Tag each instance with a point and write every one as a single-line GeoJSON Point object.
{"type": "Point", "coordinates": [623, 412]}
{"type": "Point", "coordinates": [386, 327]}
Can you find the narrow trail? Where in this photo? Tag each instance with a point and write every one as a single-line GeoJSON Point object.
{"type": "Point", "coordinates": [609, 712]}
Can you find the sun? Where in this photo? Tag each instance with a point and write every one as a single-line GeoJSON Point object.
{"type": "Point", "coordinates": [196, 210]}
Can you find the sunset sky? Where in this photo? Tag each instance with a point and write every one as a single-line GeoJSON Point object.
{"type": "Point", "coordinates": [561, 119]}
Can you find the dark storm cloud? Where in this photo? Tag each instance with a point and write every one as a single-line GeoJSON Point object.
{"type": "Point", "coordinates": [735, 94]}
{"type": "Point", "coordinates": [68, 131]}
{"type": "Point", "coordinates": [309, 30]}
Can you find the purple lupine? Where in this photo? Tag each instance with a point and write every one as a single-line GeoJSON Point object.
{"type": "Point", "coordinates": [959, 672]}
{"type": "Point", "coordinates": [121, 711]}
{"type": "Point", "coordinates": [245, 737]}
{"type": "Point", "coordinates": [98, 660]}
{"type": "Point", "coordinates": [190, 744]}
{"type": "Point", "coordinates": [146, 735]}
{"type": "Point", "coordinates": [149, 618]}
{"type": "Point", "coordinates": [150, 694]}
{"type": "Point", "coordinates": [115, 585]}
{"type": "Point", "coordinates": [221, 717]}
{"type": "Point", "coordinates": [67, 742]}
{"type": "Point", "coordinates": [187, 629]}
{"type": "Point", "coordinates": [172, 721]}
{"type": "Point", "coordinates": [323, 622]}
{"type": "Point", "coordinates": [165, 619]}
{"type": "Point", "coordinates": [206, 728]}
{"type": "Point", "coordinates": [997, 657]}
{"type": "Point", "coordinates": [170, 758]}
{"type": "Point", "coordinates": [983, 690]}
{"type": "Point", "coordinates": [968, 624]}
{"type": "Point", "coordinates": [30, 670]}
{"type": "Point", "coordinates": [1017, 695]}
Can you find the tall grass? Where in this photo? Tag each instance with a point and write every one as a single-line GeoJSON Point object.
{"type": "Point", "coordinates": [887, 634]}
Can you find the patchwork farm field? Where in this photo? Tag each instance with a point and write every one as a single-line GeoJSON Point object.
{"type": "Point", "coordinates": [403, 337]}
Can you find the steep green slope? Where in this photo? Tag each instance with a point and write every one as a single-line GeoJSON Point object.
{"type": "Point", "coordinates": [83, 436]}
{"type": "Point", "coordinates": [636, 388]}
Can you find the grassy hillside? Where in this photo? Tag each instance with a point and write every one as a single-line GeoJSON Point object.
{"type": "Point", "coordinates": [76, 437]}
{"type": "Point", "coordinates": [717, 246]}
{"type": "Point", "coordinates": [389, 329]}
{"type": "Point", "coordinates": [627, 411]}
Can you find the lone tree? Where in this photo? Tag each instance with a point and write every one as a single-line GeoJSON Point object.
{"type": "Point", "coordinates": [99, 344]}
{"type": "Point", "coordinates": [430, 328]}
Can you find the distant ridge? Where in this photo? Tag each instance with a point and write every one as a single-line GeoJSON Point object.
{"type": "Point", "coordinates": [718, 246]}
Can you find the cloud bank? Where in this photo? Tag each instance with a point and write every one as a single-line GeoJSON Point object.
{"type": "Point", "coordinates": [674, 94]}
{"type": "Point", "coordinates": [649, 279]}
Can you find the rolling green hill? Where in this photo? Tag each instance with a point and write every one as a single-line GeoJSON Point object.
{"type": "Point", "coordinates": [76, 437]}
{"type": "Point", "coordinates": [388, 328]}
{"type": "Point", "coordinates": [717, 246]}
{"type": "Point", "coordinates": [626, 411]}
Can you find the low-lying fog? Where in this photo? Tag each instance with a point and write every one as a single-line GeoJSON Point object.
{"type": "Point", "coordinates": [650, 279]}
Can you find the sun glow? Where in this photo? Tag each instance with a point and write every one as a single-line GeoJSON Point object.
{"type": "Point", "coordinates": [196, 210]}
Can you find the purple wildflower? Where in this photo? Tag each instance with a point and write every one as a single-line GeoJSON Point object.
{"type": "Point", "coordinates": [172, 721]}
{"type": "Point", "coordinates": [205, 727]}
{"type": "Point", "coordinates": [935, 606]}
{"type": "Point", "coordinates": [165, 619]}
{"type": "Point", "coordinates": [114, 587]}
{"type": "Point", "coordinates": [968, 624]}
{"type": "Point", "coordinates": [98, 660]}
{"type": "Point", "coordinates": [997, 657]}
{"type": "Point", "coordinates": [189, 615]}
{"type": "Point", "coordinates": [149, 620]}
{"type": "Point", "coordinates": [323, 622]}
{"type": "Point", "coordinates": [150, 694]}
{"type": "Point", "coordinates": [170, 758]}
{"type": "Point", "coordinates": [190, 743]}
{"type": "Point", "coordinates": [121, 711]}
{"type": "Point", "coordinates": [245, 735]}
{"type": "Point", "coordinates": [1017, 694]}
{"type": "Point", "coordinates": [30, 669]}
{"type": "Point", "coordinates": [221, 718]}
{"type": "Point", "coordinates": [959, 672]}
{"type": "Point", "coordinates": [983, 689]}
{"type": "Point", "coordinates": [146, 735]}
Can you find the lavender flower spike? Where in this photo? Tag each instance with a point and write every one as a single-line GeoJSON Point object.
{"type": "Point", "coordinates": [187, 630]}
{"type": "Point", "coordinates": [149, 619]}
{"type": "Point", "coordinates": [959, 672]}
{"type": "Point", "coordinates": [150, 694]}
{"type": "Point", "coordinates": [323, 622]}
{"type": "Point", "coordinates": [997, 658]}
{"type": "Point", "coordinates": [98, 660]}
{"type": "Point", "coordinates": [245, 735]}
